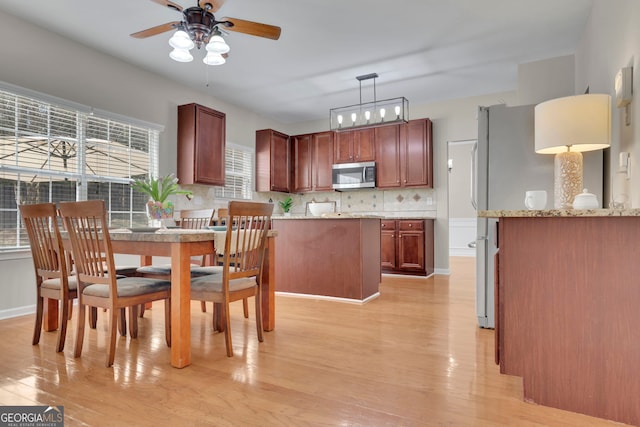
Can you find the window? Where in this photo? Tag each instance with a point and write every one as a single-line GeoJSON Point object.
{"type": "Point", "coordinates": [238, 173]}
{"type": "Point", "coordinates": [53, 153]}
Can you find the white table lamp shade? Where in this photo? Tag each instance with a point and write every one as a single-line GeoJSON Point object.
{"type": "Point", "coordinates": [582, 122]}
{"type": "Point", "coordinates": [566, 127]}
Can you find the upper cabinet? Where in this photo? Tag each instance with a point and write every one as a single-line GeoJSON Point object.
{"type": "Point", "coordinates": [404, 155]}
{"type": "Point", "coordinates": [312, 159]}
{"type": "Point", "coordinates": [354, 146]}
{"type": "Point", "coordinates": [201, 145]}
{"type": "Point", "coordinates": [272, 161]}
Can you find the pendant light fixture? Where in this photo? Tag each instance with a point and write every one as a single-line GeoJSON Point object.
{"type": "Point", "coordinates": [370, 113]}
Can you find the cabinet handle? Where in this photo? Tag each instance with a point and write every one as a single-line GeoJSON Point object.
{"type": "Point", "coordinates": [410, 225]}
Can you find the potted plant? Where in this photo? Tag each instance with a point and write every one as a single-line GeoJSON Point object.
{"type": "Point", "coordinates": [158, 190]}
{"type": "Point", "coordinates": [286, 205]}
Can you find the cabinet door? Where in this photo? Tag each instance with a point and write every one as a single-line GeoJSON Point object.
{"type": "Point", "coordinates": [322, 161]}
{"type": "Point", "coordinates": [201, 145]}
{"type": "Point", "coordinates": [279, 162]}
{"type": "Point", "coordinates": [302, 160]}
{"type": "Point", "coordinates": [343, 147]}
{"type": "Point", "coordinates": [364, 149]}
{"type": "Point", "coordinates": [387, 143]}
{"type": "Point", "coordinates": [387, 244]}
{"type": "Point", "coordinates": [417, 154]}
{"type": "Point", "coordinates": [411, 245]}
{"type": "Point", "coordinates": [272, 161]}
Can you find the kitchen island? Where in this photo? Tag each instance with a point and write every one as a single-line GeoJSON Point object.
{"type": "Point", "coordinates": [334, 257]}
{"type": "Point", "coordinates": [567, 308]}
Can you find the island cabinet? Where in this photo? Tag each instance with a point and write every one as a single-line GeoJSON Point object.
{"type": "Point", "coordinates": [406, 246]}
{"type": "Point", "coordinates": [272, 161]}
{"type": "Point", "coordinates": [328, 257]}
{"type": "Point", "coordinates": [354, 146]}
{"type": "Point", "coordinates": [404, 155]}
{"type": "Point", "coordinates": [201, 145]}
{"type": "Point", "coordinates": [567, 309]}
{"type": "Point", "coordinates": [312, 158]}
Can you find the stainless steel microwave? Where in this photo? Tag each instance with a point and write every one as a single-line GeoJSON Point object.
{"type": "Point", "coordinates": [349, 176]}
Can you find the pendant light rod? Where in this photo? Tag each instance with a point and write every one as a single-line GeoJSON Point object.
{"type": "Point", "coordinates": [373, 76]}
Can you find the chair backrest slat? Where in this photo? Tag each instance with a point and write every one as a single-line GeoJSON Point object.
{"type": "Point", "coordinates": [196, 218]}
{"type": "Point", "coordinates": [86, 223]}
{"type": "Point", "coordinates": [40, 221]}
{"type": "Point", "coordinates": [245, 241]}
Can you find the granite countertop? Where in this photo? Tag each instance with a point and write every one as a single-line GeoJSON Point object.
{"type": "Point", "coordinates": [549, 213]}
{"type": "Point", "coordinates": [328, 216]}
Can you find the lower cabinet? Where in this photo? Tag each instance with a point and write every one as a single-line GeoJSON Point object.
{"type": "Point", "coordinates": [406, 246]}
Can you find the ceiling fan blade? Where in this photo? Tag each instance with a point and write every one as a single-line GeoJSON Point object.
{"type": "Point", "coordinates": [252, 28]}
{"type": "Point", "coordinates": [169, 4]}
{"type": "Point", "coordinates": [214, 4]}
{"type": "Point", "coordinates": [156, 30]}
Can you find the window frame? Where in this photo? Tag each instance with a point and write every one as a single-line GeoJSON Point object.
{"type": "Point", "coordinates": [230, 191]}
{"type": "Point", "coordinates": [136, 137]}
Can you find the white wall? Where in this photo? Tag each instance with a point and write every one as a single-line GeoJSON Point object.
{"type": "Point", "coordinates": [611, 41]}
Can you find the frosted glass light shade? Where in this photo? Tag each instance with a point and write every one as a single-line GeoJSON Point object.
{"type": "Point", "coordinates": [181, 40]}
{"type": "Point", "coordinates": [582, 122]}
{"type": "Point", "coordinates": [214, 59]}
{"type": "Point", "coordinates": [181, 55]}
{"type": "Point", "coordinates": [217, 45]}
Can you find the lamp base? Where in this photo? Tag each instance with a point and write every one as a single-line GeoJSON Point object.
{"type": "Point", "coordinates": [567, 181]}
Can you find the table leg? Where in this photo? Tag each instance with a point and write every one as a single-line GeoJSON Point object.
{"type": "Point", "coordinates": [145, 260]}
{"type": "Point", "coordinates": [268, 287]}
{"type": "Point", "coordinates": [180, 305]}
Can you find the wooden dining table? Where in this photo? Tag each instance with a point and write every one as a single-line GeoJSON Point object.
{"type": "Point", "coordinates": [180, 245]}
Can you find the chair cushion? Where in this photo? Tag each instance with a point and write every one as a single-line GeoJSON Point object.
{"type": "Point", "coordinates": [155, 269]}
{"type": "Point", "coordinates": [204, 271]}
{"type": "Point", "coordinates": [126, 270]}
{"type": "Point", "coordinates": [128, 287]}
{"type": "Point", "coordinates": [213, 283]}
{"type": "Point", "coordinates": [165, 270]}
{"type": "Point", "coordinates": [55, 283]}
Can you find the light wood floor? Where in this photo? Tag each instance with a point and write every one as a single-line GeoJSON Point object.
{"type": "Point", "coordinates": [412, 357]}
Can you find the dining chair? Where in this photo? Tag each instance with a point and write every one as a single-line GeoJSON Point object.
{"type": "Point", "coordinates": [88, 229]}
{"type": "Point", "coordinates": [53, 280]}
{"type": "Point", "coordinates": [221, 220]}
{"type": "Point", "coordinates": [241, 273]}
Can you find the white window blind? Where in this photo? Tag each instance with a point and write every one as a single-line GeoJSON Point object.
{"type": "Point", "coordinates": [51, 153]}
{"type": "Point", "coordinates": [238, 173]}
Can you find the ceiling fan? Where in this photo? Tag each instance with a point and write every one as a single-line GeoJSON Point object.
{"type": "Point", "coordinates": [201, 27]}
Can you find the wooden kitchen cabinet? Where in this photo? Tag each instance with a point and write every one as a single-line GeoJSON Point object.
{"type": "Point", "coordinates": [312, 160]}
{"type": "Point", "coordinates": [406, 246]}
{"type": "Point", "coordinates": [354, 146]}
{"type": "Point", "coordinates": [201, 145]}
{"type": "Point", "coordinates": [404, 154]}
{"type": "Point", "coordinates": [272, 161]}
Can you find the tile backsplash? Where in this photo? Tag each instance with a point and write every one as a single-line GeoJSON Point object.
{"type": "Point", "coordinates": [411, 202]}
{"type": "Point", "coordinates": [420, 202]}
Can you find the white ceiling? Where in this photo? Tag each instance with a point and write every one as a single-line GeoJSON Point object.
{"type": "Point", "coordinates": [424, 50]}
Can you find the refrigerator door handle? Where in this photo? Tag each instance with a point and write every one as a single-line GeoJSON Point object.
{"type": "Point", "coordinates": [473, 189]}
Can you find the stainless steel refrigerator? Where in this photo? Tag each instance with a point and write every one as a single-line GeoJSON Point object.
{"type": "Point", "coordinates": [505, 165]}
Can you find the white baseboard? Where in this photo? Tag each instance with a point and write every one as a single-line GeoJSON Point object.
{"type": "Point", "coordinates": [464, 252]}
{"type": "Point", "coordinates": [17, 312]}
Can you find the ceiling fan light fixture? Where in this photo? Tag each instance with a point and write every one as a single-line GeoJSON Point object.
{"type": "Point", "coordinates": [181, 40]}
{"type": "Point", "coordinates": [181, 55]}
{"type": "Point", "coordinates": [217, 45]}
{"type": "Point", "coordinates": [214, 59]}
